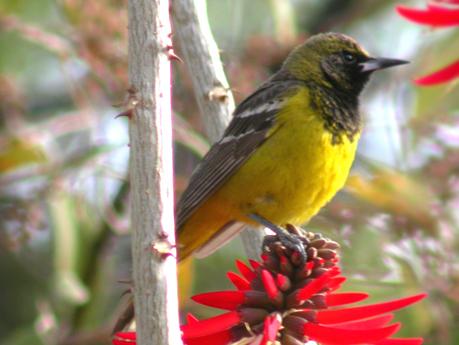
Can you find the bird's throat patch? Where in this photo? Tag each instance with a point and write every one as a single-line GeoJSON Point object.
{"type": "Point", "coordinates": [339, 112]}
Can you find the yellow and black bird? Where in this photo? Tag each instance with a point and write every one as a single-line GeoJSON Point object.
{"type": "Point", "coordinates": [287, 150]}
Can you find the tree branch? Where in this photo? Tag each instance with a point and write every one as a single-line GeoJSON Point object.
{"type": "Point", "coordinates": [152, 215]}
{"type": "Point", "coordinates": [214, 98]}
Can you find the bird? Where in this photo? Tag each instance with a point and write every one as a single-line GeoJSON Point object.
{"type": "Point", "coordinates": [287, 150]}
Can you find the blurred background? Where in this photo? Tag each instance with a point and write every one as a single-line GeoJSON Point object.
{"type": "Point", "coordinates": [64, 210]}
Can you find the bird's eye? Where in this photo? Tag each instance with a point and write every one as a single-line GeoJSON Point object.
{"type": "Point", "coordinates": [349, 58]}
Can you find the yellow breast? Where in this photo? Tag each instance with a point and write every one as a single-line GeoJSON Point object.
{"type": "Point", "coordinates": [295, 172]}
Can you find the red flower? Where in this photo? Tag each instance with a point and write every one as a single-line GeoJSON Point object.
{"type": "Point", "coordinates": [281, 301]}
{"type": "Point", "coordinates": [444, 75]}
{"type": "Point", "coordinates": [434, 15]}
{"type": "Point", "coordinates": [437, 14]}
{"type": "Point", "coordinates": [124, 338]}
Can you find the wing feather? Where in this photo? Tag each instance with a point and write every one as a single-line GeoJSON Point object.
{"type": "Point", "coordinates": [246, 132]}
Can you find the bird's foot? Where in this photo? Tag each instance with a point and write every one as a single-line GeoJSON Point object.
{"type": "Point", "coordinates": [288, 239]}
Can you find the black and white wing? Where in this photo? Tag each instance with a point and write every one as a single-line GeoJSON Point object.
{"type": "Point", "coordinates": [246, 132]}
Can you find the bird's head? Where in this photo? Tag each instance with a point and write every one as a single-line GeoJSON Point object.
{"type": "Point", "coordinates": [335, 60]}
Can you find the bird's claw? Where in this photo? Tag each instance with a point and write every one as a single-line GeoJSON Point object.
{"type": "Point", "coordinates": [295, 244]}
{"type": "Point", "coordinates": [289, 240]}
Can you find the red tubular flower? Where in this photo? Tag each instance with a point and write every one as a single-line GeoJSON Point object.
{"type": "Point", "coordinates": [455, 2]}
{"type": "Point", "coordinates": [440, 13]}
{"type": "Point", "coordinates": [444, 75]}
{"type": "Point", "coordinates": [280, 300]}
{"type": "Point", "coordinates": [124, 338]}
{"type": "Point", "coordinates": [434, 15]}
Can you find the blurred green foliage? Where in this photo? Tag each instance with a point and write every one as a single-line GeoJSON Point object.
{"type": "Point", "coordinates": [64, 232]}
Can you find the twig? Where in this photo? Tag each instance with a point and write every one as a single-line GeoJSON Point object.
{"type": "Point", "coordinates": [152, 215]}
{"type": "Point", "coordinates": [213, 95]}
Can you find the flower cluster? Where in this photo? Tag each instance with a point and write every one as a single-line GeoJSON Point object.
{"type": "Point", "coordinates": [439, 13]}
{"type": "Point", "coordinates": [281, 300]}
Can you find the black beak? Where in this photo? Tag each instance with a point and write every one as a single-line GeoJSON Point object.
{"type": "Point", "coordinates": [375, 64]}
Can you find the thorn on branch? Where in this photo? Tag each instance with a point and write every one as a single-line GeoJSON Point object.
{"type": "Point", "coordinates": [171, 53]}
{"type": "Point", "coordinates": [218, 93]}
{"type": "Point", "coordinates": [131, 102]}
{"type": "Point", "coordinates": [163, 247]}
{"type": "Point", "coordinates": [127, 292]}
{"type": "Point", "coordinates": [128, 113]}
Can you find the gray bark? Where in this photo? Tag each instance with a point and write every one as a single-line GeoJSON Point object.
{"type": "Point", "coordinates": [151, 174]}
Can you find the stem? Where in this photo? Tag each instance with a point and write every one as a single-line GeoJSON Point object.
{"type": "Point", "coordinates": [214, 98]}
{"type": "Point", "coordinates": [151, 175]}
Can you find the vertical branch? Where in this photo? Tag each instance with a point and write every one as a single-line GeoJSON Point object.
{"type": "Point", "coordinates": [214, 98]}
{"type": "Point", "coordinates": [202, 58]}
{"type": "Point", "coordinates": [152, 216]}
